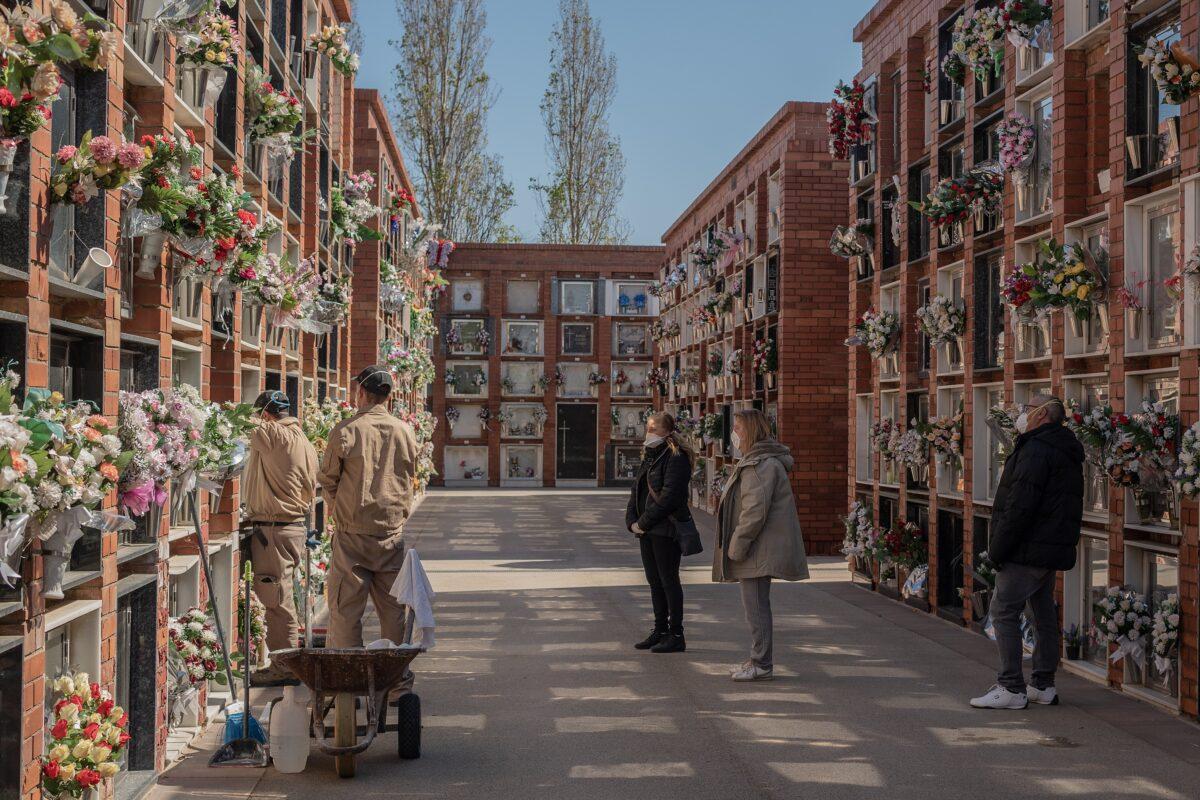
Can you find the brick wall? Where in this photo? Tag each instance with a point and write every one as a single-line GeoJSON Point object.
{"type": "Point", "coordinates": [41, 307]}
{"type": "Point", "coordinates": [1087, 83]}
{"type": "Point", "coordinates": [495, 265]}
{"type": "Point", "coordinates": [807, 323]}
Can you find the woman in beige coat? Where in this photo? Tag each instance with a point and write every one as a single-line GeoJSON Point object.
{"type": "Point", "coordinates": [758, 532]}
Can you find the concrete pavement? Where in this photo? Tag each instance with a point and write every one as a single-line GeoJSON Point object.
{"type": "Point", "coordinates": [534, 691]}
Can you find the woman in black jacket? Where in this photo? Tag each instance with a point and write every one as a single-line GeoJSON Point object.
{"type": "Point", "coordinates": [660, 492]}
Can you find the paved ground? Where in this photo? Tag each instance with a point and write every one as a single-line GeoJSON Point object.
{"type": "Point", "coordinates": [534, 691]}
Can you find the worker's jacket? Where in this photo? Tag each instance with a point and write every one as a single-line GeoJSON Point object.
{"type": "Point", "coordinates": [280, 479]}
{"type": "Point", "coordinates": [368, 474]}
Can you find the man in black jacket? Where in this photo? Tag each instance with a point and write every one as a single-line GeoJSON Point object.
{"type": "Point", "coordinates": [1036, 518]}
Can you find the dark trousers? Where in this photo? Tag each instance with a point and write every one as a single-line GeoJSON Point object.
{"type": "Point", "coordinates": [1018, 586]}
{"type": "Point", "coordinates": [660, 558]}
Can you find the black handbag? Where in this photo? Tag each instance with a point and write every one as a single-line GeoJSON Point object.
{"type": "Point", "coordinates": [683, 531]}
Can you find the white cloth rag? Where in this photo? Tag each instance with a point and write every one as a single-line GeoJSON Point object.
{"type": "Point", "coordinates": [412, 588]}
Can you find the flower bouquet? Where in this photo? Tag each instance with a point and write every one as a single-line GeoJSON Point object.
{"type": "Point", "coordinates": [28, 86]}
{"type": "Point", "coordinates": [331, 304]}
{"type": "Point", "coordinates": [1173, 70]}
{"type": "Point", "coordinates": [941, 320]}
{"type": "Point", "coordinates": [87, 737]}
{"type": "Point", "coordinates": [330, 41]}
{"type": "Point", "coordinates": [597, 378]}
{"type": "Point", "coordinates": [712, 427]}
{"type": "Point", "coordinates": [1123, 619]}
{"type": "Point", "coordinates": [163, 432]}
{"type": "Point", "coordinates": [82, 461]}
{"type": "Point", "coordinates": [1018, 140]}
{"type": "Point", "coordinates": [1021, 19]}
{"type": "Point", "coordinates": [859, 526]}
{"type": "Point", "coordinates": [849, 119]}
{"type": "Point", "coordinates": [953, 200]}
{"type": "Point", "coordinates": [162, 197]}
{"type": "Point", "coordinates": [395, 287]}
{"type": "Point", "coordinates": [978, 41]}
{"type": "Point", "coordinates": [194, 646]}
{"type": "Point", "coordinates": [452, 414]}
{"type": "Point", "coordinates": [715, 364]}
{"type": "Point", "coordinates": [1164, 636]}
{"type": "Point", "coordinates": [275, 115]}
{"type": "Point", "coordinates": [350, 208]}
{"type": "Point", "coordinates": [97, 164]}
{"type": "Point", "coordinates": [1060, 277]}
{"type": "Point", "coordinates": [878, 331]}
{"type": "Point", "coordinates": [853, 241]}
{"type": "Point", "coordinates": [905, 545]}
{"type": "Point", "coordinates": [766, 359]}
{"type": "Point", "coordinates": [412, 365]}
{"type": "Point", "coordinates": [399, 202]}
{"type": "Point", "coordinates": [944, 434]}
{"type": "Point", "coordinates": [319, 419]}
{"type": "Point", "coordinates": [912, 450]}
{"type": "Point", "coordinates": [63, 36]}
{"type": "Point", "coordinates": [19, 469]}
{"type": "Point", "coordinates": [1187, 474]}
{"type": "Point", "coordinates": [1002, 422]}
{"type": "Point", "coordinates": [734, 365]}
{"type": "Point", "coordinates": [211, 45]}
{"type": "Point", "coordinates": [718, 253]}
{"type": "Point", "coordinates": [215, 225]}
{"type": "Point", "coordinates": [885, 438]}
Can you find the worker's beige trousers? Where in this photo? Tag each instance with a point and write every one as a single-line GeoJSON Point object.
{"type": "Point", "coordinates": [364, 565]}
{"type": "Point", "coordinates": [276, 552]}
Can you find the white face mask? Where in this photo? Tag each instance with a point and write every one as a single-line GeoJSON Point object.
{"type": "Point", "coordinates": [1022, 423]}
{"type": "Point", "coordinates": [736, 441]}
{"type": "Point", "coordinates": [653, 440]}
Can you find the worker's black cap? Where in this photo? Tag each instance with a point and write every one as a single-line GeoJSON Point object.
{"type": "Point", "coordinates": [376, 380]}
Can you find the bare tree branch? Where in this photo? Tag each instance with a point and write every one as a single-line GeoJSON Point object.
{"type": "Point", "coordinates": [442, 98]}
{"type": "Point", "coordinates": [579, 200]}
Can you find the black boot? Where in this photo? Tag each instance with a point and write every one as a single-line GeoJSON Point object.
{"type": "Point", "coordinates": [654, 638]}
{"type": "Point", "coordinates": [671, 643]}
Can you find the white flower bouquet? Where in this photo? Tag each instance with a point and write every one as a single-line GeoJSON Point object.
{"type": "Point", "coordinates": [1164, 635]}
{"type": "Point", "coordinates": [1123, 619]}
{"type": "Point", "coordinates": [941, 320]}
{"type": "Point", "coordinates": [879, 331]}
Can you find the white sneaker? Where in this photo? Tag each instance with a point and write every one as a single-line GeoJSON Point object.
{"type": "Point", "coordinates": [1045, 697]}
{"type": "Point", "coordinates": [999, 697]}
{"type": "Point", "coordinates": [752, 673]}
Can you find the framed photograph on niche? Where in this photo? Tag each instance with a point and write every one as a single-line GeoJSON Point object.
{"type": "Point", "coordinates": [577, 338]}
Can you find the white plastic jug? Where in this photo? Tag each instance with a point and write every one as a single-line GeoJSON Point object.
{"type": "Point", "coordinates": [289, 731]}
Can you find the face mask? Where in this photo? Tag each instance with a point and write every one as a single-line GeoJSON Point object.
{"type": "Point", "coordinates": [736, 441]}
{"type": "Point", "coordinates": [653, 441]}
{"type": "Point", "coordinates": [1022, 423]}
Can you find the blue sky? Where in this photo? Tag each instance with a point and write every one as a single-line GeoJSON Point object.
{"type": "Point", "coordinates": [696, 79]}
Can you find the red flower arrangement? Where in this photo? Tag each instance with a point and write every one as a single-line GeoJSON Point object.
{"type": "Point", "coordinates": [848, 118]}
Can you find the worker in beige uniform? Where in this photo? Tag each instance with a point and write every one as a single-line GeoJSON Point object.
{"type": "Point", "coordinates": [367, 478]}
{"type": "Point", "coordinates": [278, 487]}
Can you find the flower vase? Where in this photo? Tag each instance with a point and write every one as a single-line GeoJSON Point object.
{"type": "Point", "coordinates": [1133, 323]}
{"type": "Point", "coordinates": [1022, 191]}
{"type": "Point", "coordinates": [979, 603]}
{"type": "Point", "coordinates": [747, 314]}
{"type": "Point", "coordinates": [1174, 508]}
{"type": "Point", "coordinates": [945, 111]}
{"type": "Point", "coordinates": [1079, 327]}
{"type": "Point", "coordinates": [1074, 652]}
{"type": "Point", "coordinates": [770, 380]}
{"type": "Point", "coordinates": [8, 156]}
{"type": "Point", "coordinates": [151, 254]}
{"type": "Point", "coordinates": [986, 84]}
{"type": "Point", "coordinates": [1025, 58]}
{"type": "Point", "coordinates": [1144, 505]}
{"type": "Point", "coordinates": [979, 220]}
{"type": "Point", "coordinates": [93, 267]}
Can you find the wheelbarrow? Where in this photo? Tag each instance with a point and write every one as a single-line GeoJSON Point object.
{"type": "Point", "coordinates": [338, 678]}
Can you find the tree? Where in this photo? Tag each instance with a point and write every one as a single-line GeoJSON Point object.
{"type": "Point", "coordinates": [579, 200]}
{"type": "Point", "coordinates": [442, 99]}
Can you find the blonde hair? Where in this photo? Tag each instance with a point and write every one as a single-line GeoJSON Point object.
{"type": "Point", "coordinates": [666, 423]}
{"type": "Point", "coordinates": [756, 426]}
